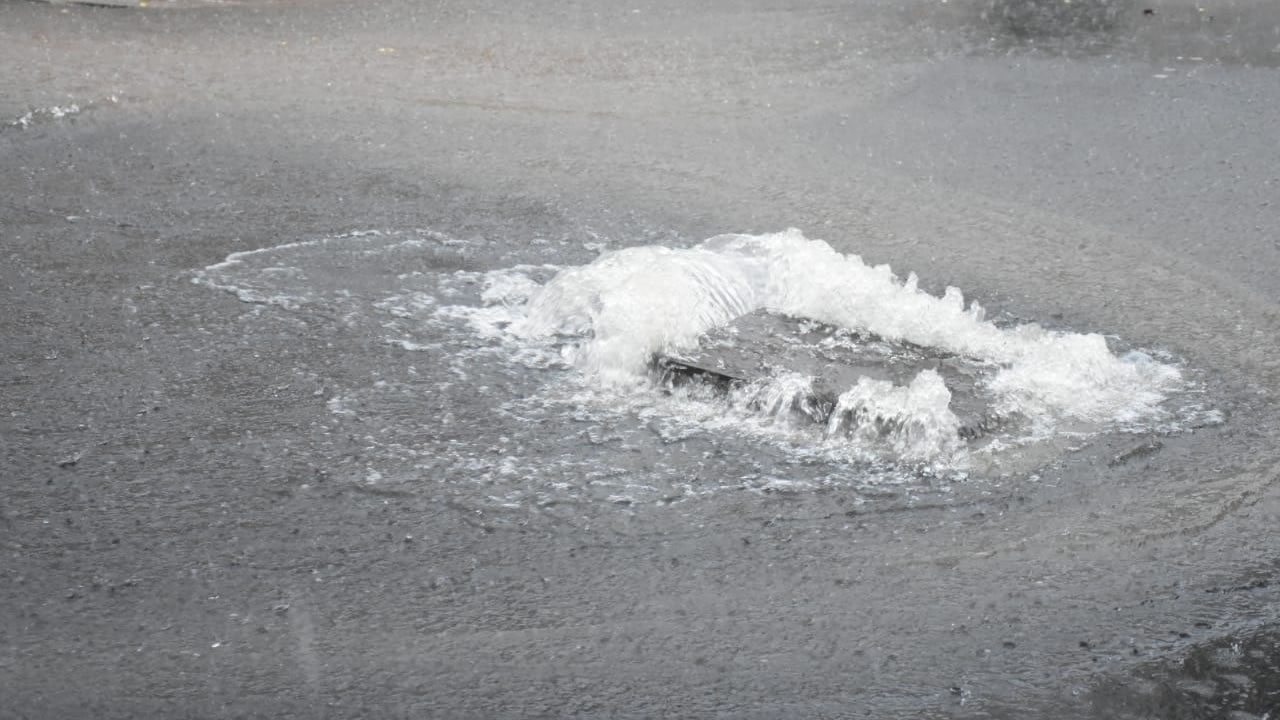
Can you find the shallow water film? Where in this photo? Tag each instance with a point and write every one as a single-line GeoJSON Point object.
{"type": "Point", "coordinates": [726, 359]}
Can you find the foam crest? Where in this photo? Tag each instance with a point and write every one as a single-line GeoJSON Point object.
{"type": "Point", "coordinates": [630, 305]}
{"type": "Point", "coordinates": [785, 397]}
{"type": "Point", "coordinates": [914, 420]}
{"type": "Point", "coordinates": [635, 303]}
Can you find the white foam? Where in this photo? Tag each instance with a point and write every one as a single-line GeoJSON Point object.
{"type": "Point", "coordinates": [780, 397]}
{"type": "Point", "coordinates": [53, 112]}
{"type": "Point", "coordinates": [616, 313]}
{"type": "Point", "coordinates": [610, 317]}
{"type": "Point", "coordinates": [636, 302]}
{"type": "Point", "coordinates": [630, 304]}
{"type": "Point", "coordinates": [915, 420]}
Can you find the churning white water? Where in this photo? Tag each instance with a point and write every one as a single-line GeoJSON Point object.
{"type": "Point", "coordinates": [892, 374]}
{"type": "Point", "coordinates": [613, 316]}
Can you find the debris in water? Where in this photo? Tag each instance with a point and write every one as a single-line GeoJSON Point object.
{"type": "Point", "coordinates": [762, 346]}
{"type": "Point", "coordinates": [1143, 449]}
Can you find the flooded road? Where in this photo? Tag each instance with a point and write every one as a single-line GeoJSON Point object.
{"type": "Point", "coordinates": [328, 379]}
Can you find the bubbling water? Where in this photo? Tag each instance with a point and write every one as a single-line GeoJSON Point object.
{"type": "Point", "coordinates": [617, 313]}
{"type": "Point", "coordinates": [775, 343]}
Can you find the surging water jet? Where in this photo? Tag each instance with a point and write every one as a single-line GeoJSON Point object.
{"type": "Point", "coordinates": [832, 377]}
{"type": "Point", "coordinates": [788, 326]}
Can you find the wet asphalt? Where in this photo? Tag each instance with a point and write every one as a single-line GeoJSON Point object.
{"type": "Point", "coordinates": [178, 539]}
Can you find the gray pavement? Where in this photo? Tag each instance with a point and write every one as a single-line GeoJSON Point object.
{"type": "Point", "coordinates": [185, 529]}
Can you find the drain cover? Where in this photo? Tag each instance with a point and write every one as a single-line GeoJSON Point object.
{"type": "Point", "coordinates": [763, 345]}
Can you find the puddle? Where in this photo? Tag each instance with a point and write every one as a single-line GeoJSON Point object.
{"type": "Point", "coordinates": [657, 374]}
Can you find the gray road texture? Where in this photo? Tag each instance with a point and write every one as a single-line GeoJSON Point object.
{"type": "Point", "coordinates": [180, 535]}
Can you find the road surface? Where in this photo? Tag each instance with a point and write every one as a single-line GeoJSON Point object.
{"type": "Point", "coordinates": [253, 504]}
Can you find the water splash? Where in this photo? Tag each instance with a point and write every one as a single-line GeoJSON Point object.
{"type": "Point", "coordinates": [856, 364]}
{"type": "Point", "coordinates": [614, 315]}
{"type": "Point", "coordinates": [915, 420]}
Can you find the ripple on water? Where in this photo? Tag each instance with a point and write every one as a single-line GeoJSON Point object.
{"type": "Point", "coordinates": [536, 383]}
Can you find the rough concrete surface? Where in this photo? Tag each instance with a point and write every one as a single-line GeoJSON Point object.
{"type": "Point", "coordinates": [184, 526]}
